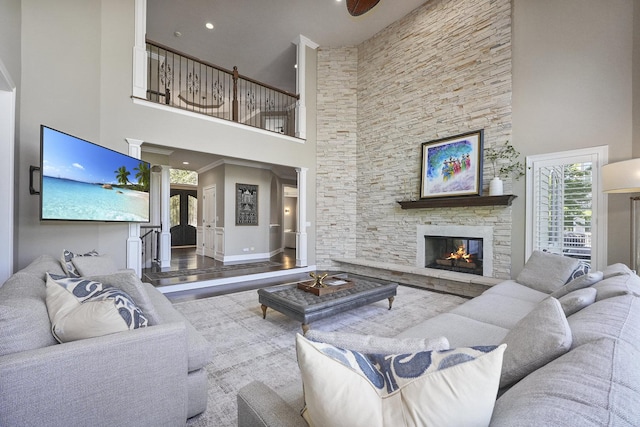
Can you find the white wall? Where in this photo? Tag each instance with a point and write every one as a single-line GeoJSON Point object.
{"type": "Point", "coordinates": [572, 88]}
{"type": "Point", "coordinates": [77, 77]}
{"type": "Point", "coordinates": [246, 240]}
{"type": "Point", "coordinates": [60, 87]}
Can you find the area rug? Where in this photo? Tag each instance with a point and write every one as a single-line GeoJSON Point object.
{"type": "Point", "coordinates": [248, 347]}
{"type": "Point", "coordinates": [209, 270]}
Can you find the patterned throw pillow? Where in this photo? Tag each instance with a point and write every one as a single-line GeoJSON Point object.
{"type": "Point", "coordinates": [67, 261]}
{"type": "Point", "coordinates": [450, 387]}
{"type": "Point", "coordinates": [582, 269]}
{"type": "Point", "coordinates": [79, 287]}
{"type": "Point", "coordinates": [80, 308]}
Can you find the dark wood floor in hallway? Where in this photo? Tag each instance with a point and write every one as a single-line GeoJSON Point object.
{"type": "Point", "coordinates": [187, 266]}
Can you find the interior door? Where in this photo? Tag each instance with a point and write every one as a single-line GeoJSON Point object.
{"type": "Point", "coordinates": [183, 216]}
{"type": "Point", "coordinates": [209, 220]}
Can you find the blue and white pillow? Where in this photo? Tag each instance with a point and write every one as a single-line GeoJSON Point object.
{"type": "Point", "coordinates": [127, 309]}
{"type": "Point", "coordinates": [80, 308]}
{"type": "Point", "coordinates": [583, 268]}
{"type": "Point", "coordinates": [79, 287]}
{"type": "Point", "coordinates": [451, 387]}
{"type": "Point", "coordinates": [67, 261]}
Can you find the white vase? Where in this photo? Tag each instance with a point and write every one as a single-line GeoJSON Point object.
{"type": "Point", "coordinates": [495, 187]}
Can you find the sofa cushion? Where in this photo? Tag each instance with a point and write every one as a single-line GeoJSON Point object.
{"type": "Point", "coordinates": [513, 289]}
{"type": "Point", "coordinates": [460, 331]}
{"type": "Point", "coordinates": [42, 265]}
{"type": "Point", "coordinates": [372, 344]}
{"type": "Point", "coordinates": [614, 318]}
{"type": "Point", "coordinates": [93, 265]}
{"type": "Point", "coordinates": [593, 385]}
{"type": "Point", "coordinates": [80, 308]}
{"type": "Point", "coordinates": [495, 309]}
{"type": "Point", "coordinates": [24, 322]}
{"type": "Point", "coordinates": [546, 272]}
{"type": "Point", "coordinates": [616, 270]}
{"type": "Point", "coordinates": [577, 300]}
{"type": "Point", "coordinates": [580, 282]}
{"type": "Point", "coordinates": [67, 264]}
{"type": "Point", "coordinates": [537, 339]}
{"type": "Point", "coordinates": [348, 388]}
{"type": "Point", "coordinates": [200, 350]}
{"type": "Point", "coordinates": [616, 285]}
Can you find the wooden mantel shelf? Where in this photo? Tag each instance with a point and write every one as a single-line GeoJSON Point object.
{"type": "Point", "coordinates": [462, 201]}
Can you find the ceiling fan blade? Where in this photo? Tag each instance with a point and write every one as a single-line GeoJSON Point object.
{"type": "Point", "coordinates": [359, 7]}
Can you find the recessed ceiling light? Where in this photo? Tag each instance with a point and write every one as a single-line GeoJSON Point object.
{"type": "Point", "coordinates": [177, 34]}
{"type": "Point", "coordinates": [209, 25]}
{"type": "Point", "coordinates": [185, 163]}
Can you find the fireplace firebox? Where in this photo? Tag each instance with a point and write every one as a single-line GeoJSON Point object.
{"type": "Point", "coordinates": [461, 254]}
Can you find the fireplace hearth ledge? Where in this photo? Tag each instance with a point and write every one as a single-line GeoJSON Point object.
{"type": "Point", "coordinates": [469, 285]}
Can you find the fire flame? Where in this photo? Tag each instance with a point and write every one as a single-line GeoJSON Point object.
{"type": "Point", "coordinates": [461, 253]}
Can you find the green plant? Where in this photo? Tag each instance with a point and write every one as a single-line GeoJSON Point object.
{"type": "Point", "coordinates": [505, 161]}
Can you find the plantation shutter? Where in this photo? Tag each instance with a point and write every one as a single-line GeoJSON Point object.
{"type": "Point", "coordinates": [564, 212]}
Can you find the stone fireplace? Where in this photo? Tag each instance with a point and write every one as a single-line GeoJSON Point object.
{"type": "Point", "coordinates": [459, 248]}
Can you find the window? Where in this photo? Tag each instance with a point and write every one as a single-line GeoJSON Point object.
{"type": "Point", "coordinates": [565, 206]}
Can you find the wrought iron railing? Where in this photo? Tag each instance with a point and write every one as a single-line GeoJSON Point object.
{"type": "Point", "coordinates": [185, 82]}
{"type": "Point", "coordinates": [150, 245]}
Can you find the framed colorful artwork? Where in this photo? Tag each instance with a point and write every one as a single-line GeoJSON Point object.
{"type": "Point", "coordinates": [452, 166]}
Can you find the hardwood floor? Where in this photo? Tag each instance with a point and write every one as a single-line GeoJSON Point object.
{"type": "Point", "coordinates": [186, 258]}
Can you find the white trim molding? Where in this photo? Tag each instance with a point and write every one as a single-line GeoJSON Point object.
{"type": "Point", "coordinates": [134, 244]}
{"type": "Point", "coordinates": [7, 183]}
{"type": "Point", "coordinates": [139, 80]}
{"type": "Point", "coordinates": [302, 43]}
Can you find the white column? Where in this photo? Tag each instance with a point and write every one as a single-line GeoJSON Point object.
{"type": "Point", "coordinates": [165, 234]}
{"type": "Point", "coordinates": [301, 235]}
{"type": "Point", "coordinates": [7, 183]}
{"type": "Point", "coordinates": [134, 244]}
{"type": "Point", "coordinates": [301, 72]}
{"type": "Point", "coordinates": [140, 50]}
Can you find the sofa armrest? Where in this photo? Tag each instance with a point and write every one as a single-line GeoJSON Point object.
{"type": "Point", "coordinates": [135, 377]}
{"type": "Point", "coordinates": [260, 406]}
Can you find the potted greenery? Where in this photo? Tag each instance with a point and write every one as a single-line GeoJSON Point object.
{"type": "Point", "coordinates": [505, 161]}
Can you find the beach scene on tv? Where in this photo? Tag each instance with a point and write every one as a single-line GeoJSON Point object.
{"type": "Point", "coordinates": [84, 181]}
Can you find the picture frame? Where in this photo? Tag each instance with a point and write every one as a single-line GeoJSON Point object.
{"type": "Point", "coordinates": [246, 204]}
{"type": "Point", "coordinates": [452, 166]}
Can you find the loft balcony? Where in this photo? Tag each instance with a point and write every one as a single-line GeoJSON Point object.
{"type": "Point", "coordinates": [182, 81]}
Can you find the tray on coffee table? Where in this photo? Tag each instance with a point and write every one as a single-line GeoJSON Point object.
{"type": "Point", "coordinates": [332, 284]}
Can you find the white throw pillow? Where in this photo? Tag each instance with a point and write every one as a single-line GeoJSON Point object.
{"type": "Point", "coordinates": [80, 308]}
{"type": "Point", "coordinates": [540, 337]}
{"type": "Point", "coordinates": [452, 387]}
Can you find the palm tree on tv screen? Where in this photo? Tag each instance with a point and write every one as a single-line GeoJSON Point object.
{"type": "Point", "coordinates": [122, 175]}
{"type": "Point", "coordinates": [142, 175]}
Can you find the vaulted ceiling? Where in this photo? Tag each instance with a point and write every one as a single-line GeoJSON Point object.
{"type": "Point", "coordinates": [257, 35]}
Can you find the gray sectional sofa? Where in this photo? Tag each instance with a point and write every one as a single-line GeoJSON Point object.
{"type": "Point", "coordinates": [573, 348]}
{"type": "Point", "coordinates": [151, 376]}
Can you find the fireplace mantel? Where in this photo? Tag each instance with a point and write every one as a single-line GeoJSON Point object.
{"type": "Point", "coordinates": [462, 201]}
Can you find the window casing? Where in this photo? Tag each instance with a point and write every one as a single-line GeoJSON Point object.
{"type": "Point", "coordinates": [565, 207]}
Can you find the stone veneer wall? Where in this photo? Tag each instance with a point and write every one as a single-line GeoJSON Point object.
{"type": "Point", "coordinates": [337, 109]}
{"type": "Point", "coordinates": [443, 70]}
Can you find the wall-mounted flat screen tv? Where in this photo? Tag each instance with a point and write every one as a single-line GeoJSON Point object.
{"type": "Point", "coordinates": [83, 181]}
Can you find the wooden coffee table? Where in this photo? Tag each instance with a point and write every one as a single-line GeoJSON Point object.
{"type": "Point", "coordinates": [306, 307]}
